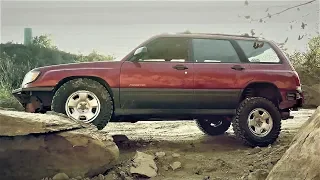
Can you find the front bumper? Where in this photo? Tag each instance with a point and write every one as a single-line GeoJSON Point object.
{"type": "Point", "coordinates": [34, 98]}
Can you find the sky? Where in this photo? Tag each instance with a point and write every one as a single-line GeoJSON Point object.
{"type": "Point", "coordinates": [116, 27]}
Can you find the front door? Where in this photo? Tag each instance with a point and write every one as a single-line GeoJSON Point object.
{"type": "Point", "coordinates": [219, 74]}
{"type": "Point", "coordinates": [161, 80]}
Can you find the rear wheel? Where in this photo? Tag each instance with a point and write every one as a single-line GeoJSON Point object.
{"type": "Point", "coordinates": [215, 126]}
{"type": "Point", "coordinates": [257, 122]}
{"type": "Point", "coordinates": [85, 100]}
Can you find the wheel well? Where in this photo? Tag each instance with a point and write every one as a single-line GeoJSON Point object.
{"type": "Point", "coordinates": [99, 80]}
{"type": "Point", "coordinates": [263, 89]}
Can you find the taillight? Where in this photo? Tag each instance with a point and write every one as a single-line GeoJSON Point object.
{"type": "Point", "coordinates": [296, 78]}
{"type": "Point", "coordinates": [298, 83]}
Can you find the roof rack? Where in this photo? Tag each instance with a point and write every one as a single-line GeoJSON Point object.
{"type": "Point", "coordinates": [220, 34]}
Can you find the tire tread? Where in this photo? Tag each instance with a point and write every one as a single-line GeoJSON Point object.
{"type": "Point", "coordinates": [242, 135]}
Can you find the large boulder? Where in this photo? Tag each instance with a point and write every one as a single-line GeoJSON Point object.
{"type": "Point", "coordinates": [312, 95]}
{"type": "Point", "coordinates": [35, 146]}
{"type": "Point", "coordinates": [14, 123]}
{"type": "Point", "coordinates": [302, 159]}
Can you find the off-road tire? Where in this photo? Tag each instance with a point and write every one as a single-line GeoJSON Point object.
{"type": "Point", "coordinates": [211, 130]}
{"type": "Point", "coordinates": [240, 123]}
{"type": "Point", "coordinates": [106, 110]}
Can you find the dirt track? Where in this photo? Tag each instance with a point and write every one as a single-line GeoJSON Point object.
{"type": "Point", "coordinates": [220, 157]}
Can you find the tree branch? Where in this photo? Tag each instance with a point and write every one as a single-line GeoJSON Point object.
{"type": "Point", "coordinates": [270, 15]}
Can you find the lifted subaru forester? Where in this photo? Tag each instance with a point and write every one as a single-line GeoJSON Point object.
{"type": "Point", "coordinates": [214, 79]}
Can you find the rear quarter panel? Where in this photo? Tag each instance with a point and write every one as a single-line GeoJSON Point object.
{"type": "Point", "coordinates": [277, 74]}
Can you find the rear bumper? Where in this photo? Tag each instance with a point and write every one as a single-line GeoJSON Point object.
{"type": "Point", "coordinates": [292, 100]}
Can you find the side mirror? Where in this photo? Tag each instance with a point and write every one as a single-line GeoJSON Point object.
{"type": "Point", "coordinates": [140, 52]}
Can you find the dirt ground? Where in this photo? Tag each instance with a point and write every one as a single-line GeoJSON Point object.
{"type": "Point", "coordinates": [202, 157]}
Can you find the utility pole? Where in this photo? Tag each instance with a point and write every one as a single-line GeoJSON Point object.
{"type": "Point", "coordinates": [27, 36]}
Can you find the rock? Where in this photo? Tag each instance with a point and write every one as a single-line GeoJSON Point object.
{"type": "Point", "coordinates": [46, 178]}
{"type": "Point", "coordinates": [144, 165]}
{"type": "Point", "coordinates": [256, 150]}
{"type": "Point", "coordinates": [15, 123]}
{"type": "Point", "coordinates": [301, 160]}
{"type": "Point", "coordinates": [60, 176]}
{"type": "Point", "coordinates": [123, 176]}
{"type": "Point", "coordinates": [100, 177]}
{"type": "Point", "coordinates": [35, 147]}
{"type": "Point", "coordinates": [175, 165]}
{"type": "Point", "coordinates": [160, 154]}
{"type": "Point", "coordinates": [222, 164]}
{"type": "Point", "coordinates": [198, 171]}
{"type": "Point", "coordinates": [166, 168]}
{"type": "Point", "coordinates": [259, 174]}
{"type": "Point", "coordinates": [244, 177]}
{"type": "Point", "coordinates": [111, 176]}
{"type": "Point", "coordinates": [175, 155]}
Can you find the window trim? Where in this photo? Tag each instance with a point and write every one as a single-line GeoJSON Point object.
{"type": "Point", "coordinates": [266, 42]}
{"type": "Point", "coordinates": [240, 56]}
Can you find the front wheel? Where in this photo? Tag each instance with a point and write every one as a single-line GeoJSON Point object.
{"type": "Point", "coordinates": [85, 100]}
{"type": "Point", "coordinates": [257, 122]}
{"type": "Point", "coordinates": [214, 126]}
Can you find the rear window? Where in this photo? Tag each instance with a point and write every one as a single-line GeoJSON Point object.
{"type": "Point", "coordinates": [264, 54]}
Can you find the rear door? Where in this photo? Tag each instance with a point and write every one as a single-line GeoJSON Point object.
{"type": "Point", "coordinates": [161, 80]}
{"type": "Point", "coordinates": [219, 74]}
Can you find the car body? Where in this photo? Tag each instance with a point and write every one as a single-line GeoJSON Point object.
{"type": "Point", "coordinates": [185, 76]}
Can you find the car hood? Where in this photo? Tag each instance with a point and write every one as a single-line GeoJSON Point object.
{"type": "Point", "coordinates": [84, 65]}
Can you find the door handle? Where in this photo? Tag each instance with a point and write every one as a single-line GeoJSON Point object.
{"type": "Point", "coordinates": [237, 68]}
{"type": "Point", "coordinates": [180, 67]}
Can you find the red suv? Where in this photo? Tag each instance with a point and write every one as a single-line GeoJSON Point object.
{"type": "Point", "coordinates": [215, 79]}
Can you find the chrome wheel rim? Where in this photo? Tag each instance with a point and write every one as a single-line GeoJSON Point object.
{"type": "Point", "coordinates": [260, 122]}
{"type": "Point", "coordinates": [83, 106]}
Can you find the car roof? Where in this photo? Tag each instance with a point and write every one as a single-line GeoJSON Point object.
{"type": "Point", "coordinates": [211, 35]}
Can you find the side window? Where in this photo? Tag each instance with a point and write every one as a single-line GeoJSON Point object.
{"type": "Point", "coordinates": [264, 54]}
{"type": "Point", "coordinates": [214, 50]}
{"type": "Point", "coordinates": [167, 50]}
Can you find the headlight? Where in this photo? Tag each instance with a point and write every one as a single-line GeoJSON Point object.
{"type": "Point", "coordinates": [30, 77]}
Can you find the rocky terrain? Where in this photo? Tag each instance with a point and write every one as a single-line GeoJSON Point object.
{"type": "Point", "coordinates": [148, 150]}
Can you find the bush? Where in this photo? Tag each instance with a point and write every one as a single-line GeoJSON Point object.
{"type": "Point", "coordinates": [307, 64]}
{"type": "Point", "coordinates": [17, 59]}
{"type": "Point", "coordinates": [8, 101]}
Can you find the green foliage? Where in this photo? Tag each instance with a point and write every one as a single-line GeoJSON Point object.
{"type": "Point", "coordinates": [17, 59]}
{"type": "Point", "coordinates": [8, 101]}
{"type": "Point", "coordinates": [94, 56]}
{"type": "Point", "coordinates": [44, 41]}
{"type": "Point", "coordinates": [307, 63]}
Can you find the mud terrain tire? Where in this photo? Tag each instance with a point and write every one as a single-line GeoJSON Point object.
{"type": "Point", "coordinates": [83, 84]}
{"type": "Point", "coordinates": [241, 126]}
{"type": "Point", "coordinates": [214, 129]}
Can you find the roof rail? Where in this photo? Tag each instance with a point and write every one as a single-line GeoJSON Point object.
{"type": "Point", "coordinates": [221, 34]}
